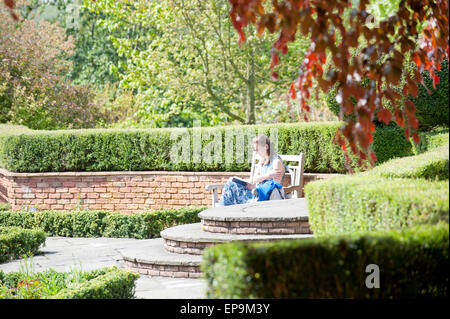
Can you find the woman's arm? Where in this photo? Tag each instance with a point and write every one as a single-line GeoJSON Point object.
{"type": "Point", "coordinates": [251, 186]}
{"type": "Point", "coordinates": [276, 174]}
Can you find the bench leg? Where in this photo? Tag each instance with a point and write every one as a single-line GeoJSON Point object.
{"type": "Point", "coordinates": [215, 199]}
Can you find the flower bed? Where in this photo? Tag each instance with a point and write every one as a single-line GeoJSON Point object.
{"type": "Point", "coordinates": [106, 283]}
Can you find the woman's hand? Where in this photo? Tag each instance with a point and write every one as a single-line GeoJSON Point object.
{"type": "Point", "coordinates": [250, 186]}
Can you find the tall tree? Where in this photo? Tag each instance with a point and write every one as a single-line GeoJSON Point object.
{"type": "Point", "coordinates": [189, 58]}
{"type": "Point", "coordinates": [33, 88]}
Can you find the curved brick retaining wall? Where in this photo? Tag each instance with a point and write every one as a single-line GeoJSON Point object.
{"type": "Point", "coordinates": [126, 192]}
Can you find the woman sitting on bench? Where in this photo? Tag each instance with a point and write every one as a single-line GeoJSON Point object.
{"type": "Point", "coordinates": [269, 174]}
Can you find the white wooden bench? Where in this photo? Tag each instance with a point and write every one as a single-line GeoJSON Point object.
{"type": "Point", "coordinates": [294, 190]}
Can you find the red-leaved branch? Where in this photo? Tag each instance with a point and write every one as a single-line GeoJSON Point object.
{"type": "Point", "coordinates": [419, 28]}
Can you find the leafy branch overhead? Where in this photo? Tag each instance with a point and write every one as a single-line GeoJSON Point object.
{"type": "Point", "coordinates": [418, 29]}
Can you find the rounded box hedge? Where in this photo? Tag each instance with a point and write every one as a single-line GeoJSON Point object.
{"type": "Point", "coordinates": [101, 223]}
{"type": "Point", "coordinates": [105, 283]}
{"type": "Point", "coordinates": [16, 242]}
{"type": "Point", "coordinates": [400, 193]}
{"type": "Point", "coordinates": [412, 263]}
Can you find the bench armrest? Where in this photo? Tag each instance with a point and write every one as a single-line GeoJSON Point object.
{"type": "Point", "coordinates": [290, 189]}
{"type": "Point", "coordinates": [211, 187]}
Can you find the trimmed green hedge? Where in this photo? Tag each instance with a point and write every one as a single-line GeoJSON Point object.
{"type": "Point", "coordinates": [105, 283]}
{"type": "Point", "coordinates": [5, 206]}
{"type": "Point", "coordinates": [431, 139]}
{"type": "Point", "coordinates": [431, 165]}
{"type": "Point", "coordinates": [114, 284]}
{"type": "Point", "coordinates": [390, 142]}
{"type": "Point", "coordinates": [149, 149]}
{"type": "Point", "coordinates": [399, 193]}
{"type": "Point", "coordinates": [413, 263]}
{"type": "Point", "coordinates": [101, 223]}
{"type": "Point", "coordinates": [16, 242]}
{"type": "Point", "coordinates": [367, 203]}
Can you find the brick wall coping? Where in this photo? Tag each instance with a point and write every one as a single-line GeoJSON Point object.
{"type": "Point", "coordinates": [109, 173]}
{"type": "Point", "coordinates": [5, 172]}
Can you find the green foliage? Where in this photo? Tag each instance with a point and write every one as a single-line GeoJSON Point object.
{"type": "Point", "coordinates": [413, 263]}
{"type": "Point", "coordinates": [94, 56]}
{"type": "Point", "coordinates": [100, 223]}
{"type": "Point", "coordinates": [5, 206]}
{"type": "Point", "coordinates": [390, 142]}
{"type": "Point", "coordinates": [105, 283]}
{"type": "Point", "coordinates": [184, 63]}
{"type": "Point", "coordinates": [16, 242]}
{"type": "Point", "coordinates": [34, 90]}
{"type": "Point", "coordinates": [150, 149]}
{"type": "Point", "coordinates": [431, 139]}
{"type": "Point", "coordinates": [399, 193]}
{"type": "Point", "coordinates": [365, 203]}
{"type": "Point", "coordinates": [430, 165]}
{"type": "Point", "coordinates": [114, 284]}
{"type": "Point", "coordinates": [433, 109]}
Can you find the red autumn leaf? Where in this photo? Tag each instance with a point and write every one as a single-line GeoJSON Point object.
{"type": "Point", "coordinates": [292, 91]}
{"type": "Point", "coordinates": [413, 122]}
{"type": "Point", "coordinates": [362, 155]}
{"type": "Point", "coordinates": [410, 108]}
{"type": "Point", "coordinates": [436, 79]}
{"type": "Point", "coordinates": [416, 137]}
{"type": "Point", "coordinates": [275, 60]}
{"type": "Point", "coordinates": [385, 116]}
{"type": "Point", "coordinates": [412, 87]}
{"type": "Point", "coordinates": [416, 59]}
{"type": "Point", "coordinates": [405, 89]}
{"type": "Point", "coordinates": [373, 157]}
{"type": "Point", "coordinates": [363, 138]}
{"type": "Point", "coordinates": [370, 138]}
{"type": "Point", "coordinates": [241, 36]}
{"type": "Point", "coordinates": [9, 3]}
{"type": "Point", "coordinates": [407, 132]}
{"type": "Point", "coordinates": [399, 118]}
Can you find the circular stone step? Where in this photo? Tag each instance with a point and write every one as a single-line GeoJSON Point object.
{"type": "Point", "coordinates": [190, 239]}
{"type": "Point", "coordinates": [154, 260]}
{"type": "Point", "coordinates": [281, 217]}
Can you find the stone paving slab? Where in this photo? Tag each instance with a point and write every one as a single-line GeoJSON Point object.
{"type": "Point", "coordinates": [275, 210]}
{"type": "Point", "coordinates": [194, 233]}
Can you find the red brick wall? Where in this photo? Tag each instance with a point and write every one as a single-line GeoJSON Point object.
{"type": "Point", "coordinates": [126, 192]}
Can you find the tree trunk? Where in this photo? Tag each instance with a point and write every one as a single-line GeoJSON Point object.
{"type": "Point", "coordinates": [250, 111]}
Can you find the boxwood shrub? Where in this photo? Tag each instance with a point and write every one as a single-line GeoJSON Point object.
{"type": "Point", "coordinates": [412, 263]}
{"type": "Point", "coordinates": [431, 139]}
{"type": "Point", "coordinates": [105, 283]}
{"type": "Point", "coordinates": [100, 223]}
{"type": "Point", "coordinates": [431, 165]}
{"type": "Point", "coordinates": [114, 284]}
{"type": "Point", "coordinates": [367, 203]}
{"type": "Point", "coordinates": [16, 242]}
{"type": "Point", "coordinates": [150, 149]}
